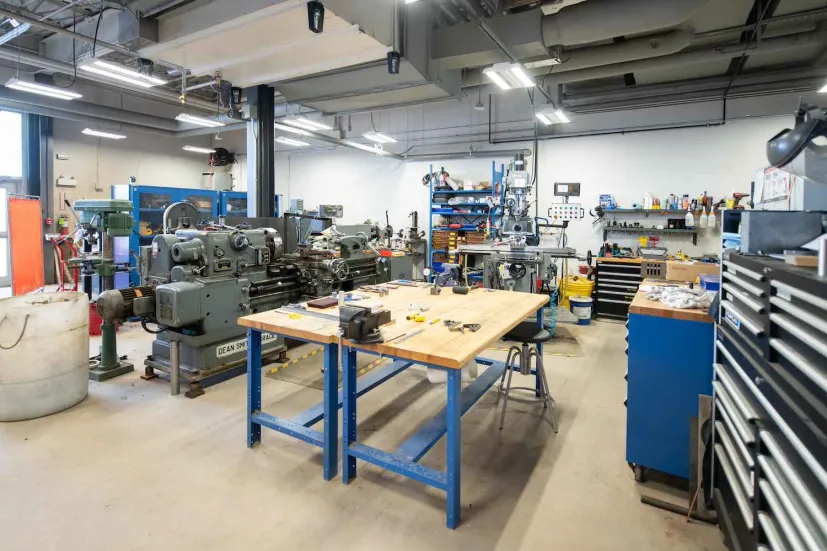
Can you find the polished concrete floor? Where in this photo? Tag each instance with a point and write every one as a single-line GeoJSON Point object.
{"type": "Point", "coordinates": [132, 468]}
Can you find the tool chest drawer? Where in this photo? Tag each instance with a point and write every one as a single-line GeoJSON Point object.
{"type": "Point", "coordinates": [770, 406]}
{"type": "Point", "coordinates": [616, 284]}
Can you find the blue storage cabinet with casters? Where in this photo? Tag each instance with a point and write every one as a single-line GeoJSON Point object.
{"type": "Point", "coordinates": [149, 204]}
{"type": "Point", "coordinates": [670, 366]}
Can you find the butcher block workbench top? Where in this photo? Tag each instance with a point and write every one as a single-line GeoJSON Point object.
{"type": "Point", "coordinates": [644, 306]}
{"type": "Point", "coordinates": [497, 312]}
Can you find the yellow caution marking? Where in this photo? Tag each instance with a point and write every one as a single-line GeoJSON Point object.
{"type": "Point", "coordinates": [284, 365]}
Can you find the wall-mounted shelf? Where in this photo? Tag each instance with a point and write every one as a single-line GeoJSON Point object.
{"type": "Point", "coordinates": [466, 191]}
{"type": "Point", "coordinates": [646, 212]}
{"type": "Point", "coordinates": [646, 231]}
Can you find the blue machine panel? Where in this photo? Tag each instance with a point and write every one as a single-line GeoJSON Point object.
{"type": "Point", "coordinates": [670, 365]}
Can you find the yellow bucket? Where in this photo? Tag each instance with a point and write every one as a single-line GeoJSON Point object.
{"type": "Point", "coordinates": [576, 286]}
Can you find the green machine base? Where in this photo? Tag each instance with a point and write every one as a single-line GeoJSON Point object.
{"type": "Point", "coordinates": [99, 373]}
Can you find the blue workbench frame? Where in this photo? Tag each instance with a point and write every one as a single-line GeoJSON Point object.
{"type": "Point", "coordinates": [405, 460]}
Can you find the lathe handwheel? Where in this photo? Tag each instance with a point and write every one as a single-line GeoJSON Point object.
{"type": "Point", "coordinates": [340, 268]}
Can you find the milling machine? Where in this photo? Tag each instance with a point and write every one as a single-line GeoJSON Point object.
{"type": "Point", "coordinates": [515, 260]}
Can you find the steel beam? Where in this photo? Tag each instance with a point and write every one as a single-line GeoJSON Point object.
{"type": "Point", "coordinates": [261, 152]}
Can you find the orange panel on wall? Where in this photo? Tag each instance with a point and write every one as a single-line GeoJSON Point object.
{"type": "Point", "coordinates": [26, 240]}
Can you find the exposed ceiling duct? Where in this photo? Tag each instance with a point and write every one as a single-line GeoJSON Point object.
{"type": "Point", "coordinates": [810, 40]}
{"type": "Point", "coordinates": [597, 20]}
{"type": "Point", "coordinates": [68, 69]}
{"type": "Point", "coordinates": [530, 34]}
{"type": "Point", "coordinates": [629, 50]}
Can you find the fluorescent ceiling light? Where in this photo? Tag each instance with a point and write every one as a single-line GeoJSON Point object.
{"type": "Point", "coordinates": [42, 89]}
{"type": "Point", "coordinates": [378, 137]}
{"type": "Point", "coordinates": [121, 73]}
{"type": "Point", "coordinates": [290, 141]}
{"type": "Point", "coordinates": [200, 121]}
{"type": "Point", "coordinates": [196, 149]}
{"type": "Point", "coordinates": [521, 75]}
{"type": "Point", "coordinates": [411, 1]}
{"type": "Point", "coordinates": [509, 75]}
{"type": "Point", "coordinates": [368, 148]}
{"type": "Point", "coordinates": [823, 90]}
{"type": "Point", "coordinates": [304, 122]}
{"type": "Point", "coordinates": [552, 115]}
{"type": "Point", "coordinates": [15, 32]}
{"type": "Point", "coordinates": [291, 129]}
{"type": "Point", "coordinates": [102, 134]}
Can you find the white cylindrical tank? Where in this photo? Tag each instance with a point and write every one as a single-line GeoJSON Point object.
{"type": "Point", "coordinates": [44, 354]}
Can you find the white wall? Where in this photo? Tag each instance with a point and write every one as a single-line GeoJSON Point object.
{"type": "Point", "coordinates": [718, 160]}
{"type": "Point", "coordinates": [98, 163]}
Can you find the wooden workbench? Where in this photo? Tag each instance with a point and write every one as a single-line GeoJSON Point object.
{"type": "Point", "coordinates": [432, 345]}
{"type": "Point", "coordinates": [496, 311]}
{"type": "Point", "coordinates": [644, 306]}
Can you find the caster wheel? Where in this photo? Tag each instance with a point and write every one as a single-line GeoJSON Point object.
{"type": "Point", "coordinates": [640, 474]}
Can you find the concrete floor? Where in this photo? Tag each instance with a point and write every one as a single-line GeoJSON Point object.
{"type": "Point", "coordinates": [134, 468]}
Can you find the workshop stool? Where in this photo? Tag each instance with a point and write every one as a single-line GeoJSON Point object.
{"type": "Point", "coordinates": [519, 357]}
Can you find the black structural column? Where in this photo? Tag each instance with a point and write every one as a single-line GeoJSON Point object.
{"type": "Point", "coordinates": [261, 153]}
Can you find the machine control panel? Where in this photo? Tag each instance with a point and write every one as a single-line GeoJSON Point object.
{"type": "Point", "coordinates": [565, 212]}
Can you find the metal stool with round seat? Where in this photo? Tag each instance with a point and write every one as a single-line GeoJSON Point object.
{"type": "Point", "coordinates": [519, 359]}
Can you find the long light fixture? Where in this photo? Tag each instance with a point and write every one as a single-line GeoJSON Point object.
{"type": "Point", "coordinates": [200, 121]}
{"type": "Point", "coordinates": [304, 122]}
{"type": "Point", "coordinates": [823, 89]}
{"type": "Point", "coordinates": [509, 75]}
{"type": "Point", "coordinates": [552, 115]}
{"type": "Point", "coordinates": [290, 141]}
{"type": "Point", "coordinates": [121, 73]}
{"type": "Point", "coordinates": [102, 134]}
{"type": "Point", "coordinates": [370, 149]}
{"type": "Point", "coordinates": [378, 137]}
{"type": "Point", "coordinates": [42, 89]}
{"type": "Point", "coordinates": [291, 129]}
{"type": "Point", "coordinates": [15, 32]}
{"type": "Point", "coordinates": [196, 149]}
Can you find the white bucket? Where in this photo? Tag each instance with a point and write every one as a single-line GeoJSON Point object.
{"type": "Point", "coordinates": [581, 307]}
{"type": "Point", "coordinates": [44, 354]}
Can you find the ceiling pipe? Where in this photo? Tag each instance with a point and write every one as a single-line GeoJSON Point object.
{"type": "Point", "coordinates": [471, 154]}
{"type": "Point", "coordinates": [472, 9]}
{"type": "Point", "coordinates": [69, 69]}
{"type": "Point", "coordinates": [77, 36]}
{"type": "Point", "coordinates": [602, 19]}
{"type": "Point", "coordinates": [706, 55]}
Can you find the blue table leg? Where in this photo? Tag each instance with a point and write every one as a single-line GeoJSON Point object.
{"type": "Point", "coordinates": [538, 383]}
{"type": "Point", "coordinates": [253, 385]}
{"type": "Point", "coordinates": [331, 411]}
{"type": "Point", "coordinates": [349, 416]}
{"type": "Point", "coordinates": [454, 460]}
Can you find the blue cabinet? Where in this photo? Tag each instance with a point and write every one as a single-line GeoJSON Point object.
{"type": "Point", "coordinates": [149, 204]}
{"type": "Point", "coordinates": [232, 203]}
{"type": "Point", "coordinates": [670, 365]}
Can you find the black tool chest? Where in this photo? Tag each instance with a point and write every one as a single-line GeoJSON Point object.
{"type": "Point", "coordinates": [616, 283]}
{"type": "Point", "coordinates": [770, 406]}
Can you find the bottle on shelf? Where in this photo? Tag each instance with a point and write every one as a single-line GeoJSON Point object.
{"type": "Point", "coordinates": [702, 221]}
{"type": "Point", "coordinates": [690, 219]}
{"type": "Point", "coordinates": [711, 220]}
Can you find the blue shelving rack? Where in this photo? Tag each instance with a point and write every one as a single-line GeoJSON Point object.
{"type": "Point", "coordinates": [474, 216]}
{"type": "Point", "coordinates": [149, 204]}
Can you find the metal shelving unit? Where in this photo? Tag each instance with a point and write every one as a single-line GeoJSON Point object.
{"type": "Point", "coordinates": [470, 220]}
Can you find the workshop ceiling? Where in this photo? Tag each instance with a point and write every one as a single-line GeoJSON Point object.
{"type": "Point", "coordinates": [607, 48]}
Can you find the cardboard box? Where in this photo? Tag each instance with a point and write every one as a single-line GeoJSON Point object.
{"type": "Point", "coordinates": [688, 272]}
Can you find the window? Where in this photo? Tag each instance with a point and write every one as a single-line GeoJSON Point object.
{"type": "Point", "coordinates": [11, 144]}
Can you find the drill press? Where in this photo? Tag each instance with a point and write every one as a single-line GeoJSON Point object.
{"type": "Point", "coordinates": [102, 220]}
